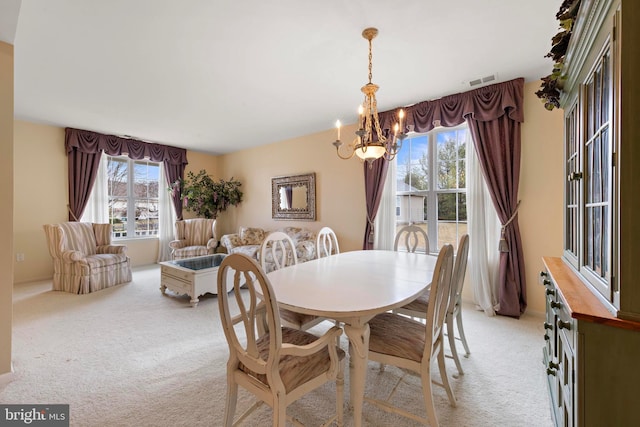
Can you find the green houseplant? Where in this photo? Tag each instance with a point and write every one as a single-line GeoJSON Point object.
{"type": "Point", "coordinates": [205, 197]}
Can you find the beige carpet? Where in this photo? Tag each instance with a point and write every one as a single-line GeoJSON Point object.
{"type": "Point", "coordinates": [128, 356]}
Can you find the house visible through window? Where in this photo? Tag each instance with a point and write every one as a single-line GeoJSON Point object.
{"type": "Point", "coordinates": [133, 196]}
{"type": "Point", "coordinates": [431, 184]}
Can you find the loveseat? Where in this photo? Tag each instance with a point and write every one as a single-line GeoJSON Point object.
{"type": "Point", "coordinates": [248, 240]}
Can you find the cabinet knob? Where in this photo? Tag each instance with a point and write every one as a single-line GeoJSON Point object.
{"type": "Point", "coordinates": [543, 274]}
{"type": "Point", "coordinates": [548, 325]}
{"type": "Point", "coordinates": [564, 325]}
{"type": "Point", "coordinates": [574, 176]}
{"type": "Point", "coordinates": [553, 365]}
{"type": "Point", "coordinates": [551, 372]}
{"type": "Point", "coordinates": [546, 337]}
{"type": "Point", "coordinates": [555, 304]}
{"type": "Point", "coordinates": [550, 292]}
{"type": "Point", "coordinates": [546, 282]}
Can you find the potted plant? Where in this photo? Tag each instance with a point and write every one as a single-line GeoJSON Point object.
{"type": "Point", "coordinates": [205, 197]}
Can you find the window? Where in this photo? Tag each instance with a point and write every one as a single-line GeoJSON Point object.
{"type": "Point", "coordinates": [431, 184]}
{"type": "Point", "coordinates": [133, 196]}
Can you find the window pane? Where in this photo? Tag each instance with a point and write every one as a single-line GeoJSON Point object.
{"type": "Point", "coordinates": [118, 176]}
{"type": "Point", "coordinates": [447, 207]}
{"type": "Point", "coordinates": [447, 160]}
{"type": "Point", "coordinates": [413, 164]}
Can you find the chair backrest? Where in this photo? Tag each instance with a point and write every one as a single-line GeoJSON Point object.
{"type": "Point", "coordinates": [439, 295]}
{"type": "Point", "coordinates": [412, 238]}
{"type": "Point", "coordinates": [196, 231]}
{"type": "Point", "coordinates": [459, 271]}
{"type": "Point", "coordinates": [326, 243]}
{"type": "Point", "coordinates": [253, 305]}
{"type": "Point", "coordinates": [278, 249]}
{"type": "Point", "coordinates": [74, 236]}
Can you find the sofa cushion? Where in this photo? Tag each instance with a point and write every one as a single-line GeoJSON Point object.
{"type": "Point", "coordinates": [251, 236]}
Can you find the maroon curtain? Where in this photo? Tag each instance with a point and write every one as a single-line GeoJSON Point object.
{"type": "Point", "coordinates": [494, 114]}
{"type": "Point", "coordinates": [498, 147]}
{"type": "Point", "coordinates": [84, 149]}
{"type": "Point", "coordinates": [83, 168]}
{"type": "Point", "coordinates": [374, 176]}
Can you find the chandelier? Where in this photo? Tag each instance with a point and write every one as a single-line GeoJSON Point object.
{"type": "Point", "coordinates": [367, 146]}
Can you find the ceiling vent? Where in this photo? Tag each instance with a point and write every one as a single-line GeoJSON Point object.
{"type": "Point", "coordinates": [483, 80]}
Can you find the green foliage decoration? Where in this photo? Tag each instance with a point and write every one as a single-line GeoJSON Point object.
{"type": "Point", "coordinates": [551, 87]}
{"type": "Point", "coordinates": [205, 197]}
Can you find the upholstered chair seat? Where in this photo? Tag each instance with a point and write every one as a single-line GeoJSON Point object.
{"type": "Point", "coordinates": [294, 370]}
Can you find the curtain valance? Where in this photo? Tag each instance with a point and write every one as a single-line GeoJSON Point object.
{"type": "Point", "coordinates": [93, 142]}
{"type": "Point", "coordinates": [482, 104]}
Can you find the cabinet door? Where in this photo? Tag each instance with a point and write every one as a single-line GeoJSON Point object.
{"type": "Point", "coordinates": [597, 163]}
{"type": "Point", "coordinates": [573, 168]}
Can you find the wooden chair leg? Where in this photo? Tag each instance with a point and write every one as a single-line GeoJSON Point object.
{"type": "Point", "coordinates": [445, 377]}
{"type": "Point", "coordinates": [279, 412]}
{"type": "Point", "coordinates": [427, 391]}
{"type": "Point", "coordinates": [230, 407]}
{"type": "Point", "coordinates": [461, 331]}
{"type": "Point", "coordinates": [340, 395]}
{"type": "Point", "coordinates": [452, 342]}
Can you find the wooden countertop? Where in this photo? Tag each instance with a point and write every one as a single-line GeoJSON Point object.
{"type": "Point", "coordinates": [579, 299]}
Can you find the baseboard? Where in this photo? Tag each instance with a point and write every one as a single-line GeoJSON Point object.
{"type": "Point", "coordinates": [6, 378]}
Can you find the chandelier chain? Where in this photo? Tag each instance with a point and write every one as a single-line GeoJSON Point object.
{"type": "Point", "coordinates": [370, 62]}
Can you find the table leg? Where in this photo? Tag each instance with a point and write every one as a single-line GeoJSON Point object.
{"type": "Point", "coordinates": [358, 352]}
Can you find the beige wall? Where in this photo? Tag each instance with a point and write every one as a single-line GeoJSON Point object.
{"type": "Point", "coordinates": [339, 191]}
{"type": "Point", "coordinates": [541, 190]}
{"type": "Point", "coordinates": [6, 207]}
{"type": "Point", "coordinates": [340, 200]}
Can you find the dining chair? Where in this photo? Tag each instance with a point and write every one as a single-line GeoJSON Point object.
{"type": "Point", "coordinates": [278, 251]}
{"type": "Point", "coordinates": [278, 366]}
{"type": "Point", "coordinates": [411, 238]}
{"type": "Point", "coordinates": [411, 345]}
{"type": "Point", "coordinates": [418, 307]}
{"type": "Point", "coordinates": [326, 243]}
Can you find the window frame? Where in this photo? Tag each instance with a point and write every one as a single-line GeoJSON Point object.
{"type": "Point", "coordinates": [130, 231]}
{"type": "Point", "coordinates": [433, 191]}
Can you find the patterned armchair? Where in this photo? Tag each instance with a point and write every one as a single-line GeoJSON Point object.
{"type": "Point", "coordinates": [83, 258]}
{"type": "Point", "coordinates": [194, 237]}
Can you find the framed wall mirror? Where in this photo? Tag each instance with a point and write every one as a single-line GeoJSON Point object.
{"type": "Point", "coordinates": [294, 197]}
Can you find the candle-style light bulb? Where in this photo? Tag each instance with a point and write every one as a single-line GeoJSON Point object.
{"type": "Point", "coordinates": [338, 124]}
{"type": "Point", "coordinates": [401, 116]}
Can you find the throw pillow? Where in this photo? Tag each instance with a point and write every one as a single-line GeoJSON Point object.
{"type": "Point", "coordinates": [251, 236]}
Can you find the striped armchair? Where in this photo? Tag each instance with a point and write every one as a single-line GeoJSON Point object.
{"type": "Point", "coordinates": [84, 260]}
{"type": "Point", "coordinates": [194, 237]}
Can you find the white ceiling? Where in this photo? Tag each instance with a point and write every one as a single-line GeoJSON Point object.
{"type": "Point", "coordinates": [218, 76]}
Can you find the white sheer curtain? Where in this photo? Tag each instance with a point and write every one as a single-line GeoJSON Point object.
{"type": "Point", "coordinates": [385, 222]}
{"type": "Point", "coordinates": [97, 209]}
{"type": "Point", "coordinates": [484, 235]}
{"type": "Point", "coordinates": [166, 218]}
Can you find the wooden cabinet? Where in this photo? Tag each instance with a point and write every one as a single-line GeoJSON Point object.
{"type": "Point", "coordinates": [592, 327]}
{"type": "Point", "coordinates": [590, 356]}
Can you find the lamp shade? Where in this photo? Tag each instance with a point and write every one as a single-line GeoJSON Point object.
{"type": "Point", "coordinates": [370, 151]}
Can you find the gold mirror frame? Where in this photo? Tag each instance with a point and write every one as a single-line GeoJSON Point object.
{"type": "Point", "coordinates": [302, 199]}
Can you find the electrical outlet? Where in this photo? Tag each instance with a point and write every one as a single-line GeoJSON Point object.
{"type": "Point", "coordinates": [19, 257]}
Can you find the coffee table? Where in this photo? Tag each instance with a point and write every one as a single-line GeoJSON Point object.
{"type": "Point", "coordinates": [192, 276]}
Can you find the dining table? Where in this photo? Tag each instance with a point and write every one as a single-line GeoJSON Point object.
{"type": "Point", "coordinates": [352, 288]}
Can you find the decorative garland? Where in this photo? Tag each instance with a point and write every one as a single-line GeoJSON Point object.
{"type": "Point", "coordinates": [552, 85]}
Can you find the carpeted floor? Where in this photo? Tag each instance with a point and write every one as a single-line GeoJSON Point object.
{"type": "Point", "coordinates": [129, 356]}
